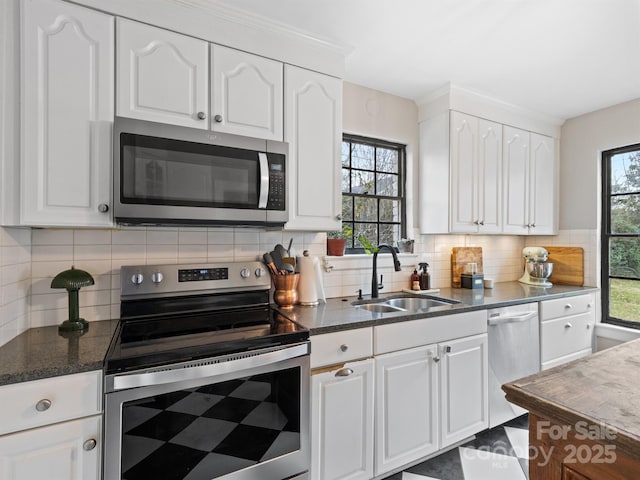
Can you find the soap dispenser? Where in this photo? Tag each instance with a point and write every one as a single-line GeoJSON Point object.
{"type": "Point", "coordinates": [415, 280]}
{"type": "Point", "coordinates": [425, 278]}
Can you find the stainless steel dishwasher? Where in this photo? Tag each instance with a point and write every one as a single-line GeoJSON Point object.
{"type": "Point", "coordinates": [514, 352]}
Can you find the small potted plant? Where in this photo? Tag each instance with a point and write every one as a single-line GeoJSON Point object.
{"type": "Point", "coordinates": [337, 241]}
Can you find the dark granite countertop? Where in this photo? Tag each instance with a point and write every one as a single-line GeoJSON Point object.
{"type": "Point", "coordinates": [339, 314]}
{"type": "Point", "coordinates": [42, 352]}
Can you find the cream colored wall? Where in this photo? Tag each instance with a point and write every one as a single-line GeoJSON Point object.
{"type": "Point", "coordinates": [583, 140]}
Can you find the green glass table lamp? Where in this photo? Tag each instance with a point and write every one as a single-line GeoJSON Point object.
{"type": "Point", "coordinates": [73, 280]}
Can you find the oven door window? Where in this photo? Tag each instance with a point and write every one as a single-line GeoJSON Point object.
{"type": "Point", "coordinates": [159, 171]}
{"type": "Point", "coordinates": [209, 431]}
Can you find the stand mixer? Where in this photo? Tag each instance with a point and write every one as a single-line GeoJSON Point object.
{"type": "Point", "coordinates": [536, 268]}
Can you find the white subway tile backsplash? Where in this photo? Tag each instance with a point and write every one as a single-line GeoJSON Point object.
{"type": "Point", "coordinates": [92, 237]}
{"type": "Point", "coordinates": [162, 237]}
{"type": "Point", "coordinates": [130, 252]}
{"type": "Point", "coordinates": [162, 253]}
{"type": "Point", "coordinates": [91, 252]}
{"type": "Point", "coordinates": [220, 237]}
{"type": "Point", "coordinates": [197, 237]}
{"type": "Point", "coordinates": [129, 237]}
{"type": "Point", "coordinates": [51, 236]}
{"type": "Point", "coordinates": [52, 253]}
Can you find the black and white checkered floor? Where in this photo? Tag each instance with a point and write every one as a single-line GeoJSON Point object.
{"type": "Point", "coordinates": [497, 454]}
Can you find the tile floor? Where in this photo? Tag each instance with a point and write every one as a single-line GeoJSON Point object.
{"type": "Point", "coordinates": [497, 454]}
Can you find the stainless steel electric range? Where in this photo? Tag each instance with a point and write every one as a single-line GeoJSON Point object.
{"type": "Point", "coordinates": [203, 379]}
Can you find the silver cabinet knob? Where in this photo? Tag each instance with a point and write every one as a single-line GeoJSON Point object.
{"type": "Point", "coordinates": [436, 359]}
{"type": "Point", "coordinates": [588, 326]}
{"type": "Point", "coordinates": [344, 372]}
{"type": "Point", "coordinates": [89, 444]}
{"type": "Point", "coordinates": [157, 277]}
{"type": "Point", "coordinates": [202, 115]}
{"type": "Point", "coordinates": [568, 306]}
{"type": "Point", "coordinates": [137, 278]}
{"type": "Point", "coordinates": [338, 217]}
{"type": "Point", "coordinates": [568, 325]}
{"type": "Point", "coordinates": [344, 347]}
{"type": "Point", "coordinates": [103, 208]}
{"type": "Point", "coordinates": [218, 118]}
{"type": "Point", "coordinates": [43, 405]}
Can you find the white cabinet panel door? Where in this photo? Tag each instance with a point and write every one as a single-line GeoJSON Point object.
{"type": "Point", "coordinates": [517, 186]}
{"type": "Point", "coordinates": [542, 206]}
{"type": "Point", "coordinates": [464, 173]}
{"type": "Point", "coordinates": [463, 388]}
{"type": "Point", "coordinates": [489, 167]}
{"type": "Point", "coordinates": [246, 94]}
{"type": "Point", "coordinates": [67, 114]}
{"type": "Point", "coordinates": [313, 129]}
{"type": "Point", "coordinates": [68, 450]}
{"type": "Point", "coordinates": [162, 76]}
{"type": "Point", "coordinates": [342, 423]}
{"type": "Point", "coordinates": [406, 407]}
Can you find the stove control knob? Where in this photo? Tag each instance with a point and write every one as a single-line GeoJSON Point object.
{"type": "Point", "coordinates": [157, 277]}
{"type": "Point", "coordinates": [245, 273]}
{"type": "Point", "coordinates": [137, 278]}
{"type": "Point", "coordinates": [259, 272]}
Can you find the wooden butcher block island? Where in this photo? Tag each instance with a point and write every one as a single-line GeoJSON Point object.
{"type": "Point", "coordinates": [584, 417]}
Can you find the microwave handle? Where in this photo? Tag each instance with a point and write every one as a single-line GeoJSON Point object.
{"type": "Point", "coordinates": [264, 180]}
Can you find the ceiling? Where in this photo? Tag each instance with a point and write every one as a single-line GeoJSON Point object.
{"type": "Point", "coordinates": [560, 58]}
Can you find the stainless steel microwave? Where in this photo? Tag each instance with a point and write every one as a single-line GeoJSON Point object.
{"type": "Point", "coordinates": [170, 175]}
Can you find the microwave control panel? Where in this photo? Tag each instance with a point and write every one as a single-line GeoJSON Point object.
{"type": "Point", "coordinates": [277, 180]}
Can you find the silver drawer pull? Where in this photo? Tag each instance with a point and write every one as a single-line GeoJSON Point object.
{"type": "Point", "coordinates": [89, 444]}
{"type": "Point", "coordinates": [344, 372]}
{"type": "Point", "coordinates": [43, 405]}
{"type": "Point", "coordinates": [568, 306]}
{"type": "Point", "coordinates": [568, 325]}
{"type": "Point", "coordinates": [344, 347]}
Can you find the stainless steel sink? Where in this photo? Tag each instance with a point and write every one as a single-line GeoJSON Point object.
{"type": "Point", "coordinates": [414, 304]}
{"type": "Point", "coordinates": [404, 304]}
{"type": "Point", "coordinates": [380, 308]}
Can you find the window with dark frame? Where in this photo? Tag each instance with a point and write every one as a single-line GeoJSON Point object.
{"type": "Point", "coordinates": [373, 186]}
{"type": "Point", "coordinates": [621, 236]}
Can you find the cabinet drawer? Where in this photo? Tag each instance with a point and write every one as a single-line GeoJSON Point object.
{"type": "Point", "coordinates": [42, 402]}
{"type": "Point", "coordinates": [339, 347]}
{"type": "Point", "coordinates": [566, 335]}
{"type": "Point", "coordinates": [566, 306]}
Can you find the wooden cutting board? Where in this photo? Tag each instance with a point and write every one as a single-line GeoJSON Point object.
{"type": "Point", "coordinates": [568, 265]}
{"type": "Point", "coordinates": [460, 256]}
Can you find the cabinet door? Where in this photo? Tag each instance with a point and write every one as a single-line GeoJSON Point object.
{"type": "Point", "coordinates": [489, 168]}
{"type": "Point", "coordinates": [516, 181]}
{"type": "Point", "coordinates": [464, 173]}
{"type": "Point", "coordinates": [406, 407]}
{"type": "Point", "coordinates": [342, 423]}
{"type": "Point", "coordinates": [463, 388]}
{"type": "Point", "coordinates": [246, 94]}
{"type": "Point", "coordinates": [162, 76]}
{"type": "Point", "coordinates": [313, 129]}
{"type": "Point", "coordinates": [67, 114]}
{"type": "Point", "coordinates": [542, 185]}
{"type": "Point", "coordinates": [69, 450]}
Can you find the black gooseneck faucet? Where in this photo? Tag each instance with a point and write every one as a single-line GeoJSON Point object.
{"type": "Point", "coordinates": [374, 276]}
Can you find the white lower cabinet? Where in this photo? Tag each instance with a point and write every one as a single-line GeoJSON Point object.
{"type": "Point", "coordinates": [342, 422]}
{"type": "Point", "coordinates": [406, 407]}
{"type": "Point", "coordinates": [69, 451]}
{"type": "Point", "coordinates": [52, 428]}
{"type": "Point", "coordinates": [464, 388]}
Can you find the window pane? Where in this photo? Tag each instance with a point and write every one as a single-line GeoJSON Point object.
{"type": "Point", "coordinates": [370, 232]}
{"type": "Point", "coordinates": [624, 299]}
{"type": "Point", "coordinates": [345, 153]}
{"type": "Point", "coordinates": [624, 257]}
{"type": "Point", "coordinates": [362, 156]}
{"type": "Point", "coordinates": [366, 209]}
{"type": "Point", "coordinates": [387, 160]}
{"type": "Point", "coordinates": [345, 180]}
{"type": "Point", "coordinates": [347, 207]}
{"type": "Point", "coordinates": [389, 233]}
{"type": "Point", "coordinates": [387, 185]}
{"type": "Point", "coordinates": [389, 210]}
{"type": "Point", "coordinates": [362, 182]}
{"type": "Point", "coordinates": [625, 214]}
{"type": "Point", "coordinates": [625, 172]}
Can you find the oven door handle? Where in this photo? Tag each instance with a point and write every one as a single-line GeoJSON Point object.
{"type": "Point", "coordinates": [202, 369]}
{"type": "Point", "coordinates": [264, 180]}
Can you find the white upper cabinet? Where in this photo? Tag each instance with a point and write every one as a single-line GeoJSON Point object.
{"type": "Point", "coordinates": [162, 76]}
{"type": "Point", "coordinates": [246, 94]}
{"type": "Point", "coordinates": [313, 129]}
{"type": "Point", "coordinates": [476, 174]}
{"type": "Point", "coordinates": [529, 183]}
{"type": "Point", "coordinates": [67, 114]}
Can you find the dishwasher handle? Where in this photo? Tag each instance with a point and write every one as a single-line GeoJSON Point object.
{"type": "Point", "coordinates": [497, 319]}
